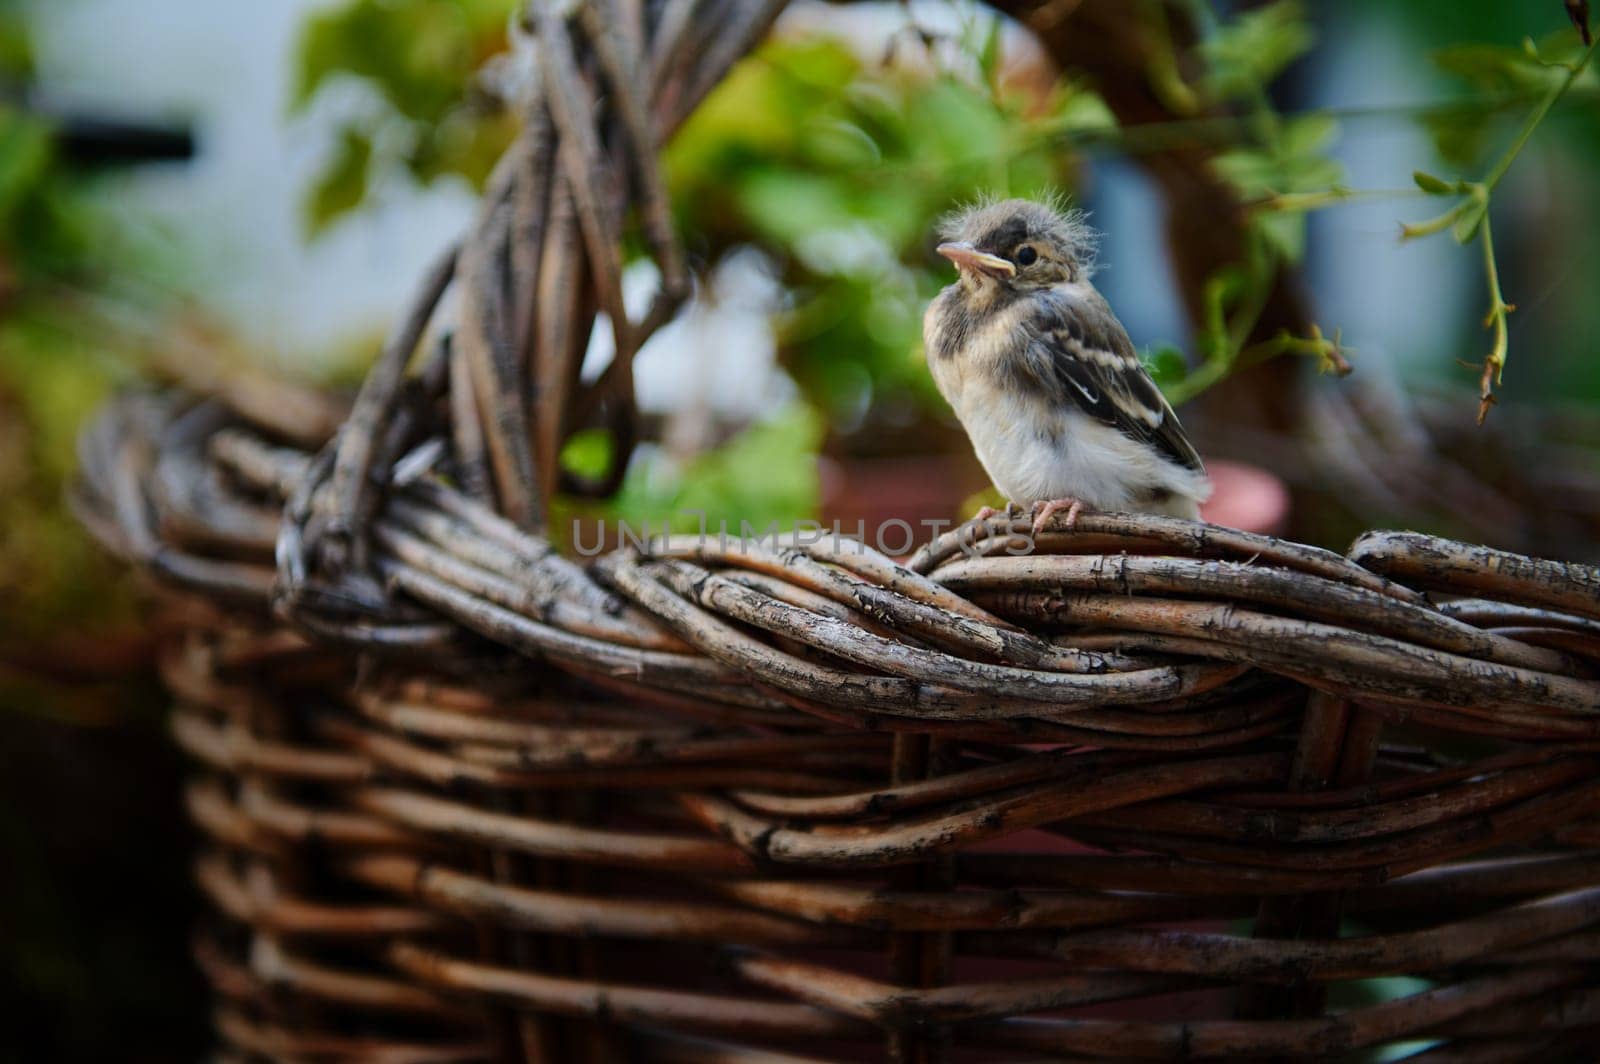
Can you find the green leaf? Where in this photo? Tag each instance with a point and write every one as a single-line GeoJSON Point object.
{"type": "Point", "coordinates": [1466, 226]}
{"type": "Point", "coordinates": [789, 207]}
{"type": "Point", "coordinates": [1307, 136]}
{"type": "Point", "coordinates": [342, 185]}
{"type": "Point", "coordinates": [1496, 68]}
{"type": "Point", "coordinates": [841, 144]}
{"type": "Point", "coordinates": [1253, 48]}
{"type": "Point", "coordinates": [16, 49]}
{"type": "Point", "coordinates": [989, 52]}
{"type": "Point", "coordinates": [1166, 365]}
{"type": "Point", "coordinates": [1433, 186]}
{"type": "Point", "coordinates": [1284, 232]}
{"type": "Point", "coordinates": [465, 142]}
{"type": "Point", "coordinates": [1460, 133]}
{"type": "Point", "coordinates": [587, 453]}
{"type": "Point", "coordinates": [949, 121]}
{"type": "Point", "coordinates": [25, 159]}
{"type": "Point", "coordinates": [1083, 111]}
{"type": "Point", "coordinates": [1298, 162]}
{"type": "Point", "coordinates": [45, 226]}
{"type": "Point", "coordinates": [420, 55]}
{"type": "Point", "coordinates": [421, 58]}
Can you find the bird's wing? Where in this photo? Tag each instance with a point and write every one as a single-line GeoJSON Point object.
{"type": "Point", "coordinates": [1080, 354]}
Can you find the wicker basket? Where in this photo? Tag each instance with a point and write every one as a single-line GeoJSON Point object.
{"type": "Point", "coordinates": [1156, 790]}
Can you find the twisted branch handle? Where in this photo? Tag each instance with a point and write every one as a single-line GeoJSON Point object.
{"type": "Point", "coordinates": [615, 79]}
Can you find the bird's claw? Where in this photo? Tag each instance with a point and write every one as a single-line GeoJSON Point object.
{"type": "Point", "coordinates": [1043, 510]}
{"type": "Point", "coordinates": [1012, 511]}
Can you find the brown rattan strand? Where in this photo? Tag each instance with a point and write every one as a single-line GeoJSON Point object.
{"type": "Point", "coordinates": [1478, 940]}
{"type": "Point", "coordinates": [897, 843]}
{"type": "Point", "coordinates": [278, 1043]}
{"type": "Point", "coordinates": [548, 838]}
{"type": "Point", "coordinates": [290, 917]}
{"type": "Point", "coordinates": [1414, 1016]}
{"type": "Point", "coordinates": [277, 966]}
{"type": "Point", "coordinates": [1152, 790]}
{"type": "Point", "coordinates": [1277, 589]}
{"type": "Point", "coordinates": [648, 1006]}
{"type": "Point", "coordinates": [1387, 856]}
{"type": "Point", "coordinates": [474, 897]}
{"type": "Point", "coordinates": [1440, 806]}
{"type": "Point", "coordinates": [680, 1049]}
{"type": "Point", "coordinates": [1464, 569]}
{"type": "Point", "coordinates": [230, 748]}
{"type": "Point", "coordinates": [889, 1005]}
{"type": "Point", "coordinates": [974, 909]}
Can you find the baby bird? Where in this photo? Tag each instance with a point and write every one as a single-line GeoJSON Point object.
{"type": "Point", "coordinates": [1043, 377]}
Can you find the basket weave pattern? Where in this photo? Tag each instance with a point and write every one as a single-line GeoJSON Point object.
{"type": "Point", "coordinates": [1153, 790]}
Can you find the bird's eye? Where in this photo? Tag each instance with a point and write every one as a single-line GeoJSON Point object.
{"type": "Point", "coordinates": [1026, 255]}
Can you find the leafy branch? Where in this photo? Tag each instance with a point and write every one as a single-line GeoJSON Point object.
{"type": "Point", "coordinates": [1281, 157]}
{"type": "Point", "coordinates": [1224, 338]}
{"type": "Point", "coordinates": [1468, 217]}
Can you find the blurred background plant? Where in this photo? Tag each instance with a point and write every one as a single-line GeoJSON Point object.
{"type": "Point", "coordinates": [1250, 163]}
{"type": "Point", "coordinates": [83, 907]}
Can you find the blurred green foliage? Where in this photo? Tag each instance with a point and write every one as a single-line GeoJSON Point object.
{"type": "Point", "coordinates": [51, 380]}
{"type": "Point", "coordinates": [764, 475]}
{"type": "Point", "coordinates": [16, 48]}
{"type": "Point", "coordinates": [95, 928]}
{"type": "Point", "coordinates": [53, 230]}
{"type": "Point", "coordinates": [1293, 158]}
{"type": "Point", "coordinates": [837, 166]}
{"type": "Point", "coordinates": [44, 224]}
{"type": "Point", "coordinates": [1503, 78]}
{"type": "Point", "coordinates": [432, 116]}
{"type": "Point", "coordinates": [53, 372]}
{"type": "Point", "coordinates": [1273, 158]}
{"type": "Point", "coordinates": [1247, 53]}
{"type": "Point", "coordinates": [1469, 218]}
{"type": "Point", "coordinates": [833, 164]}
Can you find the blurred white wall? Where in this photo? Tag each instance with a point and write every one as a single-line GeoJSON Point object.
{"type": "Point", "coordinates": [234, 210]}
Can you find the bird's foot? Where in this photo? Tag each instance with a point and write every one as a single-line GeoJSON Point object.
{"type": "Point", "coordinates": [1045, 509]}
{"type": "Point", "coordinates": [1012, 510]}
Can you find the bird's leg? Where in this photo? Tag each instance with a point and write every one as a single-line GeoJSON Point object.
{"type": "Point", "coordinates": [1043, 510]}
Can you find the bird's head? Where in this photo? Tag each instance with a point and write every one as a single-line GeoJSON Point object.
{"type": "Point", "coordinates": [1016, 245]}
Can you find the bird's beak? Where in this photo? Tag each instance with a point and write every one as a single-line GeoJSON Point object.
{"type": "Point", "coordinates": [967, 257]}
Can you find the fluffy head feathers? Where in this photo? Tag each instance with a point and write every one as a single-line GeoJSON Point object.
{"type": "Point", "coordinates": [998, 227]}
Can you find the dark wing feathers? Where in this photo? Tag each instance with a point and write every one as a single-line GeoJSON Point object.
{"type": "Point", "coordinates": [1079, 353]}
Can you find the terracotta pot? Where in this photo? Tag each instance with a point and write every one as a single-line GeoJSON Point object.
{"type": "Point", "coordinates": [1246, 498]}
